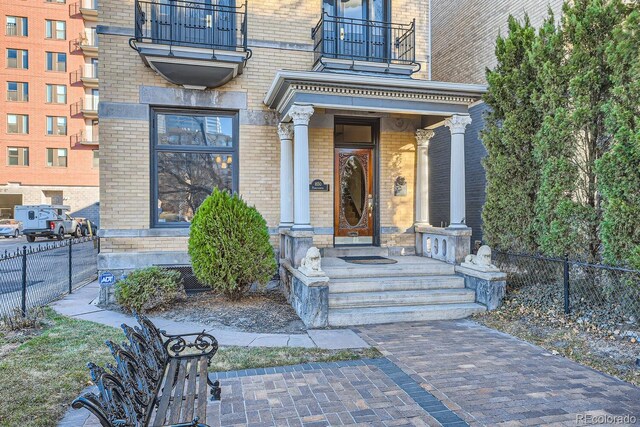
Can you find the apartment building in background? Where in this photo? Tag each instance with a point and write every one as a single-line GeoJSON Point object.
{"type": "Point", "coordinates": [49, 151]}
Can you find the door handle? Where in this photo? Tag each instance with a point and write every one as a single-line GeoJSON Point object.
{"type": "Point", "coordinates": [370, 204]}
{"type": "Point", "coordinates": [342, 33]}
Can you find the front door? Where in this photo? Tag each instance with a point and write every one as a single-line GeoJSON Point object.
{"type": "Point", "coordinates": [354, 196]}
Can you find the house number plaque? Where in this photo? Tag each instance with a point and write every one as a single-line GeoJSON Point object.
{"type": "Point", "coordinates": [318, 185]}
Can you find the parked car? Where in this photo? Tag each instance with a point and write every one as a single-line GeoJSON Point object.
{"type": "Point", "coordinates": [46, 221]}
{"type": "Point", "coordinates": [10, 228]}
{"type": "Point", "coordinates": [87, 227]}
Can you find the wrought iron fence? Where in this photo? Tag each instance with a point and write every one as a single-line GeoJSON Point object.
{"type": "Point", "coordinates": [363, 40]}
{"type": "Point", "coordinates": [36, 275]}
{"type": "Point", "coordinates": [602, 298]}
{"type": "Point", "coordinates": [217, 25]}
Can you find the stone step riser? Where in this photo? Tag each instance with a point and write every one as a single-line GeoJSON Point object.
{"type": "Point", "coordinates": [424, 283]}
{"type": "Point", "coordinates": [371, 316]}
{"type": "Point", "coordinates": [354, 251]}
{"type": "Point", "coordinates": [390, 271]}
{"type": "Point", "coordinates": [394, 299]}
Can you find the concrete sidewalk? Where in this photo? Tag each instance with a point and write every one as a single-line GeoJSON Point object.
{"type": "Point", "coordinates": [79, 305]}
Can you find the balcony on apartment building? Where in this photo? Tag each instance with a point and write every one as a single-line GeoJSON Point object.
{"type": "Point", "coordinates": [85, 138]}
{"type": "Point", "coordinates": [191, 44]}
{"type": "Point", "coordinates": [86, 107]}
{"type": "Point", "coordinates": [87, 9]}
{"type": "Point", "coordinates": [87, 43]}
{"type": "Point", "coordinates": [87, 75]}
{"type": "Point", "coordinates": [362, 45]}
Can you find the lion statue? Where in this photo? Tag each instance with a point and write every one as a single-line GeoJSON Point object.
{"type": "Point", "coordinates": [311, 264]}
{"type": "Point", "coordinates": [481, 261]}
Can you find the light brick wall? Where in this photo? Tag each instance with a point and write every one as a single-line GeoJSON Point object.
{"type": "Point", "coordinates": [464, 34]}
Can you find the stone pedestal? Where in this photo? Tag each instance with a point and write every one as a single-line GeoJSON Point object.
{"type": "Point", "coordinates": [490, 287]}
{"type": "Point", "coordinates": [294, 245]}
{"type": "Point", "coordinates": [309, 296]}
{"type": "Point", "coordinates": [450, 245]}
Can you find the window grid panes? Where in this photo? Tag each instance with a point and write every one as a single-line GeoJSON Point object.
{"type": "Point", "coordinates": [56, 94]}
{"type": "Point", "coordinates": [17, 156]}
{"type": "Point", "coordinates": [17, 58]}
{"type": "Point", "coordinates": [17, 123]}
{"type": "Point", "coordinates": [56, 61]}
{"type": "Point", "coordinates": [57, 157]}
{"type": "Point", "coordinates": [17, 26]}
{"type": "Point", "coordinates": [193, 154]}
{"type": "Point", "coordinates": [56, 125]}
{"type": "Point", "coordinates": [17, 91]}
{"type": "Point", "coordinates": [55, 30]}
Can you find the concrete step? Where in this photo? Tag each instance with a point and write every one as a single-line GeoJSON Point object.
{"type": "Point", "coordinates": [403, 269]}
{"type": "Point", "coordinates": [401, 298]}
{"type": "Point", "coordinates": [342, 251]}
{"type": "Point", "coordinates": [410, 313]}
{"type": "Point", "coordinates": [408, 283]}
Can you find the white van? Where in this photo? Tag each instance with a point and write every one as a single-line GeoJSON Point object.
{"type": "Point", "coordinates": [46, 221]}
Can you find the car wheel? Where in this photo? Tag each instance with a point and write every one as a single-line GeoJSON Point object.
{"type": "Point", "coordinates": [60, 235]}
{"type": "Point", "coordinates": [6, 237]}
{"type": "Point", "coordinates": [77, 233]}
{"type": "Point", "coordinates": [16, 234]}
{"type": "Point", "coordinates": [31, 238]}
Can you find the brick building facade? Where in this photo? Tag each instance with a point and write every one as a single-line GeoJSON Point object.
{"type": "Point", "coordinates": [48, 93]}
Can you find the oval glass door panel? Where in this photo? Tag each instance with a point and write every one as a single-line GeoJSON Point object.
{"type": "Point", "coordinates": [353, 191]}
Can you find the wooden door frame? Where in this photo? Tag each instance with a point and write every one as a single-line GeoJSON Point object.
{"type": "Point", "coordinates": [374, 122]}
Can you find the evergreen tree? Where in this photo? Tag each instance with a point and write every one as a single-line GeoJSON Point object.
{"type": "Point", "coordinates": [511, 172]}
{"type": "Point", "coordinates": [619, 169]}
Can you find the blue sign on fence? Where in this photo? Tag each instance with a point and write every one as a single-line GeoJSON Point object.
{"type": "Point", "coordinates": [107, 278]}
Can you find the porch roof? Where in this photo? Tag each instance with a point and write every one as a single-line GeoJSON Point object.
{"type": "Point", "coordinates": [370, 93]}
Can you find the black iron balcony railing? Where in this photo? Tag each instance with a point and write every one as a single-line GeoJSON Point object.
{"type": "Point", "coordinates": [81, 138]}
{"type": "Point", "coordinates": [185, 23]}
{"type": "Point", "coordinates": [362, 40]}
{"type": "Point", "coordinates": [88, 105]}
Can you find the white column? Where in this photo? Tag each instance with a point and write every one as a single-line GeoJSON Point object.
{"type": "Point", "coordinates": [423, 137]}
{"type": "Point", "coordinates": [301, 209]}
{"type": "Point", "coordinates": [285, 132]}
{"type": "Point", "coordinates": [457, 125]}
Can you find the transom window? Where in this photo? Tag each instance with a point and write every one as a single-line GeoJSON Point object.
{"type": "Point", "coordinates": [17, 156]}
{"type": "Point", "coordinates": [368, 10]}
{"type": "Point", "coordinates": [193, 153]}
{"type": "Point", "coordinates": [17, 91]}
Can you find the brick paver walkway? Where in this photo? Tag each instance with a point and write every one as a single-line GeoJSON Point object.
{"type": "Point", "coordinates": [449, 373]}
{"type": "Point", "coordinates": [489, 378]}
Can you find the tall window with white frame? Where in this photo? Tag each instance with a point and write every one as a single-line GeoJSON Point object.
{"type": "Point", "coordinates": [193, 152]}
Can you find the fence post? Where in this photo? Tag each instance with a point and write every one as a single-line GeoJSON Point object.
{"type": "Point", "coordinates": [70, 265]}
{"type": "Point", "coordinates": [24, 281]}
{"type": "Point", "coordinates": [567, 308]}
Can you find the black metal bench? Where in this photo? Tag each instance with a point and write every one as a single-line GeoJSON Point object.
{"type": "Point", "coordinates": [157, 380]}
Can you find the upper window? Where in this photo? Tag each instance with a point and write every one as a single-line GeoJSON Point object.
{"type": "Point", "coordinates": [17, 26]}
{"type": "Point", "coordinates": [57, 157]}
{"type": "Point", "coordinates": [56, 94]}
{"type": "Point", "coordinates": [56, 125]}
{"type": "Point", "coordinates": [17, 91]}
{"type": "Point", "coordinates": [55, 30]}
{"type": "Point", "coordinates": [368, 10]}
{"type": "Point", "coordinates": [17, 58]}
{"type": "Point", "coordinates": [18, 123]}
{"type": "Point", "coordinates": [56, 61]}
{"type": "Point", "coordinates": [193, 152]}
{"type": "Point", "coordinates": [17, 156]}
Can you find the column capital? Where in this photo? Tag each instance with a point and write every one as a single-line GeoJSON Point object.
{"type": "Point", "coordinates": [423, 136]}
{"type": "Point", "coordinates": [457, 123]}
{"type": "Point", "coordinates": [285, 131]}
{"type": "Point", "coordinates": [301, 114]}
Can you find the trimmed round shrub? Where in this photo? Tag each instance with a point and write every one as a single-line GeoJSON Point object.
{"type": "Point", "coordinates": [149, 289]}
{"type": "Point", "coordinates": [229, 245]}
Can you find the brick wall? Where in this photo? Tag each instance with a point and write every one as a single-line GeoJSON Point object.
{"type": "Point", "coordinates": [464, 34]}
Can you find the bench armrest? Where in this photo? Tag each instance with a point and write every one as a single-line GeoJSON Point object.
{"type": "Point", "coordinates": [189, 345]}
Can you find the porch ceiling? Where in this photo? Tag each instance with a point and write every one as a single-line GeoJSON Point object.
{"type": "Point", "coordinates": [370, 93]}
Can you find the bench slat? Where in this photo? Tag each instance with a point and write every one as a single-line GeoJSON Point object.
{"type": "Point", "coordinates": [176, 404]}
{"type": "Point", "coordinates": [166, 393]}
{"type": "Point", "coordinates": [202, 389]}
{"type": "Point", "coordinates": [191, 389]}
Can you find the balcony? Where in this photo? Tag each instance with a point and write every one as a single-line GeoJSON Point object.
{"type": "Point", "coordinates": [87, 107]}
{"type": "Point", "coordinates": [190, 44]}
{"type": "Point", "coordinates": [85, 139]}
{"type": "Point", "coordinates": [347, 44]}
{"type": "Point", "coordinates": [88, 9]}
{"type": "Point", "coordinates": [87, 43]}
{"type": "Point", "coordinates": [87, 75]}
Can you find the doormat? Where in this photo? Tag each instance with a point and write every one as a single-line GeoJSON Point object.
{"type": "Point", "coordinates": [368, 260]}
